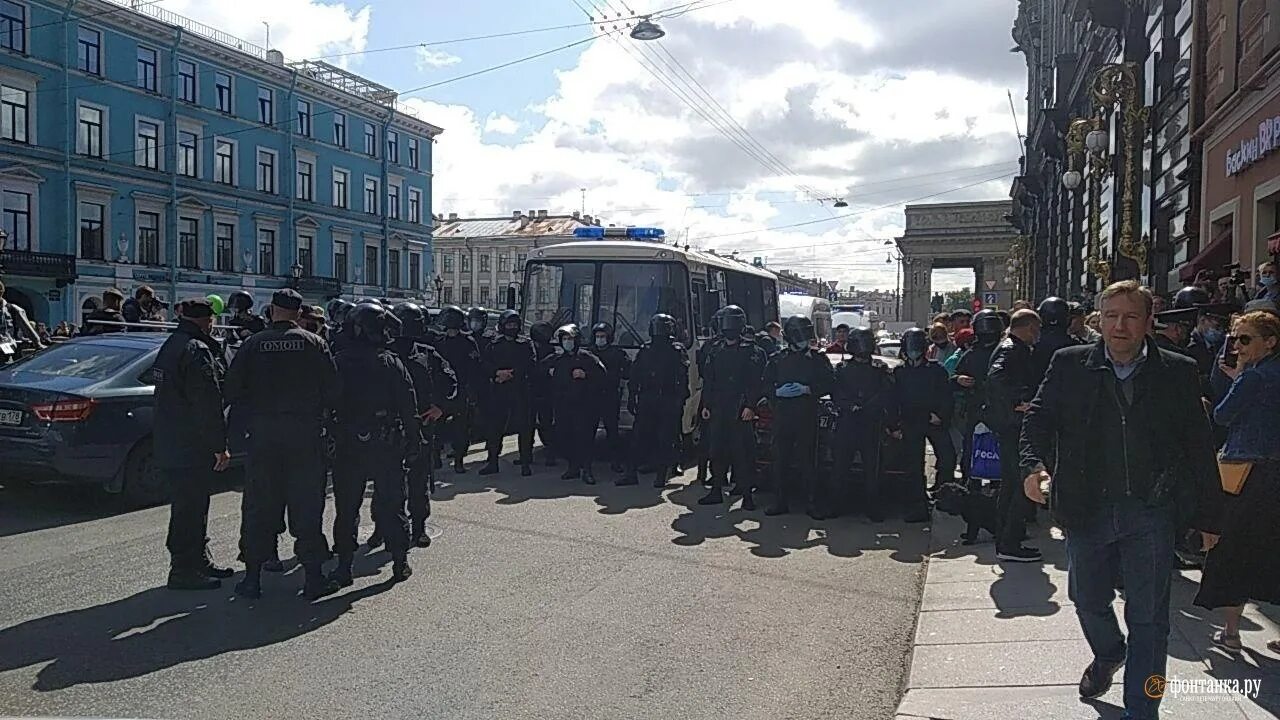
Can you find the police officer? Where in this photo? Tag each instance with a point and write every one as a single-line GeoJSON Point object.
{"type": "Point", "coordinates": [336, 314]}
{"type": "Point", "coordinates": [924, 401]}
{"type": "Point", "coordinates": [190, 440]}
{"type": "Point", "coordinates": [541, 404]}
{"type": "Point", "coordinates": [1209, 334]}
{"type": "Point", "coordinates": [796, 379]}
{"type": "Point", "coordinates": [1055, 332]}
{"type": "Point", "coordinates": [656, 394]}
{"type": "Point", "coordinates": [478, 325]}
{"type": "Point", "coordinates": [436, 388]}
{"type": "Point", "coordinates": [732, 389]}
{"type": "Point", "coordinates": [617, 366]}
{"type": "Point", "coordinates": [240, 303]}
{"type": "Point", "coordinates": [311, 319]}
{"type": "Point", "coordinates": [459, 349]}
{"type": "Point", "coordinates": [576, 382]}
{"type": "Point", "coordinates": [508, 364]}
{"type": "Point", "coordinates": [286, 383]}
{"type": "Point", "coordinates": [970, 378]}
{"type": "Point", "coordinates": [377, 434]}
{"type": "Point", "coordinates": [1012, 381]}
{"type": "Point", "coordinates": [863, 401]}
{"type": "Point", "coordinates": [1173, 329]}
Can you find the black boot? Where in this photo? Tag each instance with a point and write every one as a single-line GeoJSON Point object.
{"type": "Point", "coordinates": [400, 570]}
{"type": "Point", "coordinates": [273, 563]}
{"type": "Point", "coordinates": [588, 477]}
{"type": "Point", "coordinates": [714, 496]}
{"type": "Point", "coordinates": [748, 499]}
{"type": "Point", "coordinates": [251, 586]}
{"type": "Point", "coordinates": [525, 470]}
{"type": "Point", "coordinates": [375, 540]}
{"type": "Point", "coordinates": [316, 585]}
{"type": "Point", "coordinates": [617, 467]}
{"type": "Point", "coordinates": [191, 579]}
{"type": "Point", "coordinates": [736, 490]}
{"type": "Point", "coordinates": [420, 537]}
{"type": "Point", "coordinates": [459, 467]}
{"type": "Point", "coordinates": [491, 468]}
{"type": "Point", "coordinates": [779, 506]}
{"type": "Point", "coordinates": [341, 575]}
{"type": "Point", "coordinates": [660, 479]}
{"type": "Point", "coordinates": [571, 474]}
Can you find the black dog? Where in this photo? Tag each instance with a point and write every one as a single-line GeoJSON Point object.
{"type": "Point", "coordinates": [977, 506]}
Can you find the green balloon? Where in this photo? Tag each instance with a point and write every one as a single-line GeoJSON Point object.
{"type": "Point", "coordinates": [216, 302]}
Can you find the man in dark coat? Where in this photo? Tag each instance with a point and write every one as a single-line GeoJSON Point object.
{"type": "Point", "coordinates": [924, 401]}
{"type": "Point", "coordinates": [1012, 381]}
{"type": "Point", "coordinates": [112, 300]}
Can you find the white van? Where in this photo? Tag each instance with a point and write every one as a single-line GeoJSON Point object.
{"type": "Point", "coordinates": [816, 309]}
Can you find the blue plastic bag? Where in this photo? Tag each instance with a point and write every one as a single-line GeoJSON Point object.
{"type": "Point", "coordinates": [985, 462]}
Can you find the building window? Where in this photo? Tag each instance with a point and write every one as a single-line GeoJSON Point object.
{"type": "Point", "coordinates": [188, 243]}
{"type": "Point", "coordinates": [466, 261]}
{"type": "Point", "coordinates": [504, 263]}
{"type": "Point", "coordinates": [306, 180]}
{"type": "Point", "coordinates": [266, 106]}
{"type": "Point", "coordinates": [484, 262]}
{"type": "Point", "coordinates": [224, 163]}
{"type": "Point", "coordinates": [188, 152]}
{"type": "Point", "coordinates": [89, 45]}
{"type": "Point", "coordinates": [224, 239]}
{"type": "Point", "coordinates": [306, 244]}
{"type": "Point", "coordinates": [89, 139]}
{"type": "Point", "coordinates": [340, 260]}
{"type": "Point", "coordinates": [186, 81]}
{"type": "Point", "coordinates": [341, 188]}
{"type": "Point", "coordinates": [15, 114]}
{"type": "Point", "coordinates": [147, 148]}
{"type": "Point", "coordinates": [520, 260]}
{"type": "Point", "coordinates": [415, 271]}
{"type": "Point", "coordinates": [447, 295]}
{"type": "Point", "coordinates": [413, 153]}
{"type": "Point", "coordinates": [147, 61]}
{"type": "Point", "coordinates": [447, 262]}
{"type": "Point", "coordinates": [484, 295]}
{"type": "Point", "coordinates": [266, 171]}
{"type": "Point", "coordinates": [266, 251]}
{"type": "Point", "coordinates": [17, 219]}
{"type": "Point", "coordinates": [370, 265]}
{"type": "Point", "coordinates": [370, 140]}
{"type": "Point", "coordinates": [393, 201]}
{"type": "Point", "coordinates": [13, 26]}
{"type": "Point", "coordinates": [222, 83]}
{"type": "Point", "coordinates": [415, 205]}
{"type": "Point", "coordinates": [466, 295]}
{"type": "Point", "coordinates": [340, 130]}
{"type": "Point", "coordinates": [149, 238]}
{"type": "Point", "coordinates": [304, 118]}
{"type": "Point", "coordinates": [91, 216]}
{"type": "Point", "coordinates": [371, 196]}
{"type": "Point", "coordinates": [393, 146]}
{"type": "Point", "coordinates": [393, 268]}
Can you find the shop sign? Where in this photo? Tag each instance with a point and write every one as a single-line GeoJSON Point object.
{"type": "Point", "coordinates": [1253, 149]}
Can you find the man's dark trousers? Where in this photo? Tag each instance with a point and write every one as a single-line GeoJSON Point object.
{"type": "Point", "coordinates": [358, 463]}
{"type": "Point", "coordinates": [1133, 541]}
{"type": "Point", "coordinates": [188, 489]}
{"type": "Point", "coordinates": [1012, 503]}
{"type": "Point", "coordinates": [286, 472]}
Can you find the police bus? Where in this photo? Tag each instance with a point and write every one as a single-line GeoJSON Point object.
{"type": "Point", "coordinates": [624, 276]}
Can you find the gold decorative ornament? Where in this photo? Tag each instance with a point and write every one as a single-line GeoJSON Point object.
{"type": "Point", "coordinates": [1115, 87]}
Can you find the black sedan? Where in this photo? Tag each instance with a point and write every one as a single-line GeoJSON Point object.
{"type": "Point", "coordinates": [82, 412]}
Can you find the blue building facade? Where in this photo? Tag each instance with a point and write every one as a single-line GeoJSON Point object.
{"type": "Point", "coordinates": [139, 147]}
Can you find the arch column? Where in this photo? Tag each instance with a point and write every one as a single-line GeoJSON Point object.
{"type": "Point", "coordinates": [917, 288]}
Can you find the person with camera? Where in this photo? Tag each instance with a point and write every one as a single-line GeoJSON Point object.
{"type": "Point", "coordinates": [1243, 565]}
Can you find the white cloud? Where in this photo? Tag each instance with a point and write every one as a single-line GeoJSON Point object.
{"type": "Point", "coordinates": [300, 29]}
{"type": "Point", "coordinates": [499, 124]}
{"type": "Point", "coordinates": [428, 58]}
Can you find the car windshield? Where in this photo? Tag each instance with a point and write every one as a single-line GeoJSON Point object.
{"type": "Point", "coordinates": [87, 360]}
{"type": "Point", "coordinates": [624, 294]}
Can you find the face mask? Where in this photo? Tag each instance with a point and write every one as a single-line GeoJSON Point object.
{"type": "Point", "coordinates": [1214, 336]}
{"type": "Point", "coordinates": [1267, 280]}
{"type": "Point", "coordinates": [510, 330]}
{"type": "Point", "coordinates": [475, 326]}
{"type": "Point", "coordinates": [602, 341]}
{"type": "Point", "coordinates": [451, 332]}
{"type": "Point", "coordinates": [567, 344]}
{"type": "Point", "coordinates": [914, 355]}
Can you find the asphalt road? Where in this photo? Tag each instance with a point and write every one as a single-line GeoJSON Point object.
{"type": "Point", "coordinates": [541, 598]}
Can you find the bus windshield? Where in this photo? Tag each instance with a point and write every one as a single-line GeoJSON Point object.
{"type": "Point", "coordinates": [623, 294]}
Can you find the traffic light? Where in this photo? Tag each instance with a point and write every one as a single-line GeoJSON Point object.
{"type": "Point", "coordinates": [977, 304]}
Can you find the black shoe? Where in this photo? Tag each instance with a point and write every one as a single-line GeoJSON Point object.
{"type": "Point", "coordinates": [735, 490]}
{"type": "Point", "coordinates": [628, 479]}
{"type": "Point", "coordinates": [420, 538]}
{"type": "Point", "coordinates": [273, 565]}
{"type": "Point", "coordinates": [341, 575]}
{"type": "Point", "coordinates": [748, 500]}
{"type": "Point", "coordinates": [215, 571]}
{"type": "Point", "coordinates": [659, 481]}
{"type": "Point", "coordinates": [1097, 678]}
{"type": "Point", "coordinates": [517, 461]}
{"type": "Point", "coordinates": [250, 587]}
{"type": "Point", "coordinates": [778, 508]}
{"type": "Point", "coordinates": [570, 474]}
{"type": "Point", "coordinates": [459, 467]}
{"type": "Point", "coordinates": [617, 467]}
{"type": "Point", "coordinates": [375, 540]}
{"type": "Point", "coordinates": [400, 571]}
{"type": "Point", "coordinates": [714, 497]}
{"type": "Point", "coordinates": [316, 585]}
{"type": "Point", "coordinates": [491, 468]}
{"type": "Point", "coordinates": [525, 471]}
{"type": "Point", "coordinates": [1019, 554]}
{"type": "Point", "coordinates": [191, 580]}
{"type": "Point", "coordinates": [588, 478]}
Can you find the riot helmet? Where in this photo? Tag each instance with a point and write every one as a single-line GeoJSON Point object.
{"type": "Point", "coordinates": [987, 327]}
{"type": "Point", "coordinates": [601, 328]}
{"type": "Point", "coordinates": [1189, 297]}
{"type": "Point", "coordinates": [569, 337]}
{"type": "Point", "coordinates": [336, 311]}
{"type": "Point", "coordinates": [797, 331]}
{"type": "Point", "coordinates": [542, 333]}
{"type": "Point", "coordinates": [477, 320]}
{"type": "Point", "coordinates": [509, 323]}
{"type": "Point", "coordinates": [452, 318]}
{"type": "Point", "coordinates": [862, 343]}
{"type": "Point", "coordinates": [413, 319]}
{"type": "Point", "coordinates": [662, 328]}
{"type": "Point", "coordinates": [915, 342]}
{"type": "Point", "coordinates": [732, 320]}
{"type": "Point", "coordinates": [240, 301]}
{"type": "Point", "coordinates": [1054, 312]}
{"type": "Point", "coordinates": [369, 324]}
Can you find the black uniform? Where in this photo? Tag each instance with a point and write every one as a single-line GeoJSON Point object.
{"type": "Point", "coordinates": [576, 406]}
{"type": "Point", "coordinates": [377, 431]}
{"type": "Point", "coordinates": [285, 382]}
{"type": "Point", "coordinates": [617, 366]}
{"type": "Point", "coordinates": [1052, 339]}
{"type": "Point", "coordinates": [795, 424]}
{"type": "Point", "coordinates": [247, 324]}
{"type": "Point", "coordinates": [734, 381]}
{"type": "Point", "coordinates": [862, 396]}
{"type": "Point", "coordinates": [974, 362]}
{"type": "Point", "coordinates": [463, 355]}
{"type": "Point", "coordinates": [1012, 380]}
{"type": "Point", "coordinates": [922, 390]}
{"type": "Point", "coordinates": [656, 394]}
{"type": "Point", "coordinates": [434, 385]}
{"type": "Point", "coordinates": [189, 432]}
{"type": "Point", "coordinates": [507, 403]}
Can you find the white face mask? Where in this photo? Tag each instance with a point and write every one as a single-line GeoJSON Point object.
{"type": "Point", "coordinates": [602, 341]}
{"type": "Point", "coordinates": [567, 344]}
{"type": "Point", "coordinates": [474, 325]}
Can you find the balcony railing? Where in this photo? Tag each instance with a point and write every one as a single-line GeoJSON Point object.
{"type": "Point", "coordinates": [326, 287]}
{"type": "Point", "coordinates": [35, 264]}
{"type": "Point", "coordinates": [186, 23]}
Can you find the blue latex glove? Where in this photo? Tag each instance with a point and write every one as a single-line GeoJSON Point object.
{"type": "Point", "coordinates": [792, 390]}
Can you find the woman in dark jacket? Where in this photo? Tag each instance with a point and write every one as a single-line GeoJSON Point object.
{"type": "Point", "coordinates": [1244, 564]}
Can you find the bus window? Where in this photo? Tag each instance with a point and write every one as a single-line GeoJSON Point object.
{"type": "Point", "coordinates": [746, 291]}
{"type": "Point", "coordinates": [770, 294]}
{"type": "Point", "coordinates": [631, 293]}
{"type": "Point", "coordinates": [560, 293]}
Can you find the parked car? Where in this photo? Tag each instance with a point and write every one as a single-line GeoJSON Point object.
{"type": "Point", "coordinates": [82, 412]}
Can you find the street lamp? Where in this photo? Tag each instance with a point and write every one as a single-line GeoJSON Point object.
{"type": "Point", "coordinates": [439, 283]}
{"type": "Point", "coordinates": [647, 30]}
{"type": "Point", "coordinates": [1097, 141]}
{"type": "Point", "coordinates": [1072, 179]}
{"type": "Point", "coordinates": [295, 273]}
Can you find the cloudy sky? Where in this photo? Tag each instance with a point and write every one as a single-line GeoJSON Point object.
{"type": "Point", "coordinates": [727, 131]}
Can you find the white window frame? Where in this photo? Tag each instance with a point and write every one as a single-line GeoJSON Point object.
{"type": "Point", "coordinates": [370, 149]}
{"type": "Point", "coordinates": [302, 156]}
{"type": "Point", "coordinates": [224, 217]}
{"type": "Point", "coordinates": [26, 82]}
{"type": "Point", "coordinates": [275, 170]}
{"type": "Point", "coordinates": [413, 214]}
{"type": "Point", "coordinates": [346, 130]}
{"type": "Point", "coordinates": [393, 207]}
{"type": "Point", "coordinates": [155, 69]}
{"type": "Point", "coordinates": [199, 221]}
{"type": "Point", "coordinates": [231, 93]}
{"type": "Point", "coordinates": [150, 206]}
{"type": "Point", "coordinates": [96, 195]}
{"type": "Point", "coordinates": [345, 239]}
{"type": "Point", "coordinates": [195, 128]}
{"type": "Point", "coordinates": [377, 268]}
{"type": "Point", "coordinates": [235, 161]}
{"type": "Point", "coordinates": [104, 141]}
{"type": "Point", "coordinates": [100, 34]}
{"type": "Point", "coordinates": [26, 30]}
{"type": "Point", "coordinates": [310, 234]}
{"type": "Point", "coordinates": [415, 153]}
{"type": "Point", "coordinates": [390, 135]}
{"type": "Point", "coordinates": [258, 227]}
{"type": "Point", "coordinates": [310, 115]}
{"type": "Point", "coordinates": [377, 195]}
{"type": "Point", "coordinates": [195, 81]}
{"type": "Point", "coordinates": [333, 199]}
{"type": "Point", "coordinates": [137, 127]}
{"type": "Point", "coordinates": [270, 94]}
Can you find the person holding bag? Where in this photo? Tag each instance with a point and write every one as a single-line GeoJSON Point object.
{"type": "Point", "coordinates": [1244, 565]}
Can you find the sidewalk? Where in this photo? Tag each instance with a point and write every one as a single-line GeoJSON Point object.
{"type": "Point", "coordinates": [1002, 642]}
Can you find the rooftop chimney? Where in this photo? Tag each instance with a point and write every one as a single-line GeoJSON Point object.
{"type": "Point", "coordinates": [533, 213]}
{"type": "Point", "coordinates": [542, 213]}
{"type": "Point", "coordinates": [275, 57]}
{"type": "Point", "coordinates": [453, 216]}
{"type": "Point", "coordinates": [577, 215]}
{"type": "Point", "coordinates": [515, 214]}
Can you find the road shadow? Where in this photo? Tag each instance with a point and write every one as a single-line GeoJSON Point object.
{"type": "Point", "coordinates": [27, 508]}
{"type": "Point", "coordinates": [159, 628]}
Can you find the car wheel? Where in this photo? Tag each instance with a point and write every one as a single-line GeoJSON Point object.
{"type": "Point", "coordinates": [142, 484]}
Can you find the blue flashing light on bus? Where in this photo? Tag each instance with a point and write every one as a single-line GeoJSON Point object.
{"type": "Point", "coordinates": [630, 233]}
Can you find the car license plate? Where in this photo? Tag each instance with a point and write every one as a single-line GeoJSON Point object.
{"type": "Point", "coordinates": [10, 417]}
